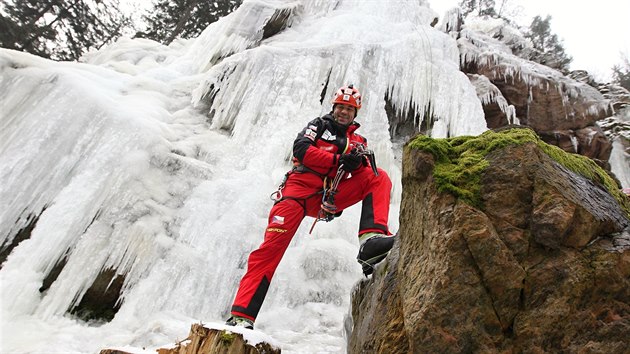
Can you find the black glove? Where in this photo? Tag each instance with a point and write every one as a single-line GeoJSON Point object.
{"type": "Point", "coordinates": [350, 162]}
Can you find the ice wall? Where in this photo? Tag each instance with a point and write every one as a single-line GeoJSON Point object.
{"type": "Point", "coordinates": [620, 163]}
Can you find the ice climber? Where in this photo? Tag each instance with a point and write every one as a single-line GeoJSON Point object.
{"type": "Point", "coordinates": [326, 148]}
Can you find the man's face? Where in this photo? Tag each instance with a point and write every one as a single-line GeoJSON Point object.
{"type": "Point", "coordinates": [344, 114]}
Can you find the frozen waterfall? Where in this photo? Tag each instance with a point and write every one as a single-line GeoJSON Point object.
{"type": "Point", "coordinates": [147, 169]}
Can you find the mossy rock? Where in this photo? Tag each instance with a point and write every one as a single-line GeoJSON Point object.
{"type": "Point", "coordinates": [460, 162]}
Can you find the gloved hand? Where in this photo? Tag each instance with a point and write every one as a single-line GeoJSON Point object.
{"type": "Point", "coordinates": [350, 162]}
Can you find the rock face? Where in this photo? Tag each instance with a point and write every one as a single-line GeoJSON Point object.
{"type": "Point", "coordinates": [564, 113]}
{"type": "Point", "coordinates": [202, 340]}
{"type": "Point", "coordinates": [542, 266]}
{"type": "Point", "coordinates": [562, 109]}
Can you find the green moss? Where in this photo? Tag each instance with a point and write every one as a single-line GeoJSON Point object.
{"type": "Point", "coordinates": [460, 162]}
{"type": "Point", "coordinates": [588, 168]}
{"type": "Point", "coordinates": [227, 338]}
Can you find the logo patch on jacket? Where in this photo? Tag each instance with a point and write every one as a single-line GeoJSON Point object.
{"type": "Point", "coordinates": [311, 132]}
{"type": "Point", "coordinates": [275, 229]}
{"type": "Point", "coordinates": [328, 136]}
{"type": "Point", "coordinates": [277, 219]}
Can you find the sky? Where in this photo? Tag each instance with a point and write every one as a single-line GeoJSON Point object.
{"type": "Point", "coordinates": [593, 33]}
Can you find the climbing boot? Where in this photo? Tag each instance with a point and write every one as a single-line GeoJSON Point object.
{"type": "Point", "coordinates": [238, 321]}
{"type": "Point", "coordinates": [373, 248]}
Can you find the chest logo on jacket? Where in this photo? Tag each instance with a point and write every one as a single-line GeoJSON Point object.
{"type": "Point", "coordinates": [328, 136]}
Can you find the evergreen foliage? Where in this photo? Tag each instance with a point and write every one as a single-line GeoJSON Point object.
{"type": "Point", "coordinates": [467, 6]}
{"type": "Point", "coordinates": [479, 7]}
{"type": "Point", "coordinates": [60, 29]}
{"type": "Point", "coordinates": [621, 73]}
{"type": "Point", "coordinates": [548, 47]}
{"type": "Point", "coordinates": [486, 8]}
{"type": "Point", "coordinates": [170, 19]}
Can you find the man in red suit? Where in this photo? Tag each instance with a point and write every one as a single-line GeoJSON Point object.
{"type": "Point", "coordinates": [327, 146]}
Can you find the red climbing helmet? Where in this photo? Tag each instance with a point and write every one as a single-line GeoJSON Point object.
{"type": "Point", "coordinates": [348, 95]}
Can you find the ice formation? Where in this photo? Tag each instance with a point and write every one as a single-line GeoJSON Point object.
{"type": "Point", "coordinates": [153, 164]}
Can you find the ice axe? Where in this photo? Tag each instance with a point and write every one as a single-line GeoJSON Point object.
{"type": "Point", "coordinates": [328, 210]}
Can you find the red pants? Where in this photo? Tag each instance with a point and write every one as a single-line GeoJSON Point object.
{"type": "Point", "coordinates": [302, 199]}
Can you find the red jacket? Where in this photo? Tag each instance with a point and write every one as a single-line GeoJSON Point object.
{"type": "Point", "coordinates": [319, 145]}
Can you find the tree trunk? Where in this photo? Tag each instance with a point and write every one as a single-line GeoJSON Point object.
{"type": "Point", "coordinates": [182, 21]}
